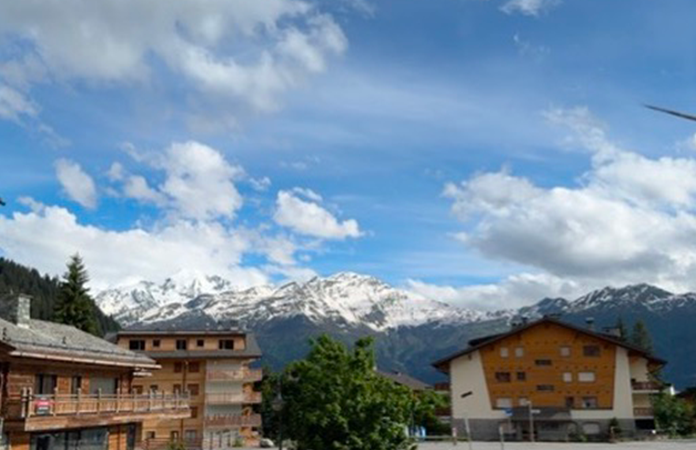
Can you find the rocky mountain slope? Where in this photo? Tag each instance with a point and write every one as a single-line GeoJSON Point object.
{"type": "Point", "coordinates": [411, 330]}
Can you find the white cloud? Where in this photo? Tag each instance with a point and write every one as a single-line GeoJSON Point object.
{"type": "Point", "coordinates": [136, 187]}
{"type": "Point", "coordinates": [116, 172]}
{"type": "Point", "coordinates": [234, 54]}
{"type": "Point", "coordinates": [47, 236]}
{"type": "Point", "coordinates": [77, 184]}
{"type": "Point", "coordinates": [14, 105]}
{"type": "Point", "coordinates": [529, 7]}
{"type": "Point", "coordinates": [306, 216]}
{"type": "Point", "coordinates": [628, 219]}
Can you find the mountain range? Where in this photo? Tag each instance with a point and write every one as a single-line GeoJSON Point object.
{"type": "Point", "coordinates": [410, 330]}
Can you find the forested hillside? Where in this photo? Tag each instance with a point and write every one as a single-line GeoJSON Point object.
{"type": "Point", "coordinates": [15, 278]}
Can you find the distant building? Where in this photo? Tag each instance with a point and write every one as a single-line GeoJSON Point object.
{"type": "Point", "coordinates": [62, 388]}
{"type": "Point", "coordinates": [405, 380]}
{"type": "Point", "coordinates": [572, 379]}
{"type": "Point", "coordinates": [210, 366]}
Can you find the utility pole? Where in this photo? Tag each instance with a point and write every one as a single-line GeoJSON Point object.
{"type": "Point", "coordinates": [466, 421]}
{"type": "Point", "coordinates": [531, 421]}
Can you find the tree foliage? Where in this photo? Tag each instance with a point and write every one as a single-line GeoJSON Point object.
{"type": "Point", "coordinates": [75, 307]}
{"type": "Point", "coordinates": [673, 415]}
{"type": "Point", "coordinates": [16, 278]}
{"type": "Point", "coordinates": [334, 400]}
{"type": "Point", "coordinates": [426, 403]}
{"type": "Point", "coordinates": [640, 337]}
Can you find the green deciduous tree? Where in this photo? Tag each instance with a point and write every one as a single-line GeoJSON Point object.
{"type": "Point", "coordinates": [334, 400]}
{"type": "Point", "coordinates": [640, 337]}
{"type": "Point", "coordinates": [74, 306]}
{"type": "Point", "coordinates": [673, 415]}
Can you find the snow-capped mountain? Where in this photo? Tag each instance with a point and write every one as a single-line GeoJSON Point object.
{"type": "Point", "coordinates": [345, 298]}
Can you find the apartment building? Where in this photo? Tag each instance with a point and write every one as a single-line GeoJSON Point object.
{"type": "Point", "coordinates": [551, 378]}
{"type": "Point", "coordinates": [63, 388]}
{"type": "Point", "coordinates": [212, 368]}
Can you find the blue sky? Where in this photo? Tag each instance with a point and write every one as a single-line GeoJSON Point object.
{"type": "Point", "coordinates": [486, 153]}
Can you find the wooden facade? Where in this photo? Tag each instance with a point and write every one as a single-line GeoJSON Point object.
{"type": "Point", "coordinates": [212, 368]}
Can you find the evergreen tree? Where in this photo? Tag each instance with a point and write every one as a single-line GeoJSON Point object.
{"type": "Point", "coordinates": [75, 307]}
{"type": "Point", "coordinates": [623, 332]}
{"type": "Point", "coordinates": [640, 337]}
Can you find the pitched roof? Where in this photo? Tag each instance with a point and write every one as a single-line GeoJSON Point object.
{"type": "Point", "coordinates": [405, 380]}
{"type": "Point", "coordinates": [54, 341]}
{"type": "Point", "coordinates": [443, 363]}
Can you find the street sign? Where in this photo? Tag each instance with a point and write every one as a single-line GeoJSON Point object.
{"type": "Point", "coordinates": [536, 411]}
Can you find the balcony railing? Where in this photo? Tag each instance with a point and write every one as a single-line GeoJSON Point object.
{"type": "Point", "coordinates": [225, 398]}
{"type": "Point", "coordinates": [250, 375]}
{"type": "Point", "coordinates": [643, 412]}
{"type": "Point", "coordinates": [29, 405]}
{"type": "Point", "coordinates": [232, 421]}
{"type": "Point", "coordinates": [646, 386]}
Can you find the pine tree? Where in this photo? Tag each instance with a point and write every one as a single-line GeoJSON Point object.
{"type": "Point", "coordinates": [640, 337]}
{"type": "Point", "coordinates": [74, 306]}
{"type": "Point", "coordinates": [623, 332]}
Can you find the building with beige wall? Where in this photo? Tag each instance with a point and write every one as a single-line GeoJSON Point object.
{"type": "Point", "coordinates": [212, 368]}
{"type": "Point", "coordinates": [573, 381]}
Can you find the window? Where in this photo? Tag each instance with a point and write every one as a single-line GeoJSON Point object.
{"type": "Point", "coordinates": [137, 389]}
{"type": "Point", "coordinates": [194, 412]}
{"type": "Point", "coordinates": [154, 388]}
{"type": "Point", "coordinates": [565, 351]}
{"type": "Point", "coordinates": [568, 377]}
{"type": "Point", "coordinates": [178, 367]}
{"type": "Point", "coordinates": [194, 367]}
{"type": "Point", "coordinates": [504, 352]}
{"type": "Point", "coordinates": [519, 352]}
{"type": "Point", "coordinates": [150, 435]}
{"type": "Point", "coordinates": [545, 388]}
{"type": "Point", "coordinates": [76, 384]}
{"type": "Point", "coordinates": [570, 402]}
{"type": "Point", "coordinates": [200, 343]}
{"type": "Point", "coordinates": [104, 385]}
{"type": "Point", "coordinates": [586, 377]}
{"type": "Point", "coordinates": [45, 384]}
{"type": "Point", "coordinates": [591, 428]}
{"type": "Point", "coordinates": [181, 344]}
{"type": "Point", "coordinates": [591, 350]}
{"type": "Point", "coordinates": [502, 377]}
{"type": "Point", "coordinates": [177, 388]}
{"type": "Point", "coordinates": [136, 344]}
{"type": "Point", "coordinates": [521, 376]}
{"type": "Point", "coordinates": [503, 402]}
{"type": "Point", "coordinates": [193, 389]}
{"type": "Point", "coordinates": [523, 401]}
{"type": "Point", "coordinates": [542, 362]}
{"type": "Point", "coordinates": [156, 343]}
{"type": "Point", "coordinates": [589, 402]}
{"type": "Point", "coordinates": [174, 435]}
{"type": "Point", "coordinates": [190, 435]}
{"type": "Point", "coordinates": [226, 344]}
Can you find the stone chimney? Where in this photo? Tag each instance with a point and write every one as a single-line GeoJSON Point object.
{"type": "Point", "coordinates": [20, 308]}
{"type": "Point", "coordinates": [590, 323]}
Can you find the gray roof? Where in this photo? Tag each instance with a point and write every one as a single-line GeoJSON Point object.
{"type": "Point", "coordinates": [48, 340]}
{"type": "Point", "coordinates": [405, 380]}
{"type": "Point", "coordinates": [252, 350]}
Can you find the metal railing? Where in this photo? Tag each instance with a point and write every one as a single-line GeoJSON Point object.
{"type": "Point", "coordinates": [29, 404]}
{"type": "Point", "coordinates": [646, 386]}
{"type": "Point", "coordinates": [250, 375]}
{"type": "Point", "coordinates": [643, 412]}
{"type": "Point", "coordinates": [226, 398]}
{"type": "Point", "coordinates": [232, 420]}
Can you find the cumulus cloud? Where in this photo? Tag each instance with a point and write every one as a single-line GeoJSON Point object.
{"type": "Point", "coordinates": [300, 210]}
{"type": "Point", "coordinates": [233, 54]}
{"type": "Point", "coordinates": [628, 219]}
{"type": "Point", "coordinates": [529, 7]}
{"type": "Point", "coordinates": [77, 184]}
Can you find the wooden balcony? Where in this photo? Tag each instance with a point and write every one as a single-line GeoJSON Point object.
{"type": "Point", "coordinates": [232, 421]}
{"type": "Point", "coordinates": [646, 386]}
{"type": "Point", "coordinates": [225, 398]}
{"type": "Point", "coordinates": [643, 413]}
{"type": "Point", "coordinates": [245, 375]}
{"type": "Point", "coordinates": [31, 412]}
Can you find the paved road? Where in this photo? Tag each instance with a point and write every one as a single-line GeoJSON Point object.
{"type": "Point", "coordinates": [655, 445]}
